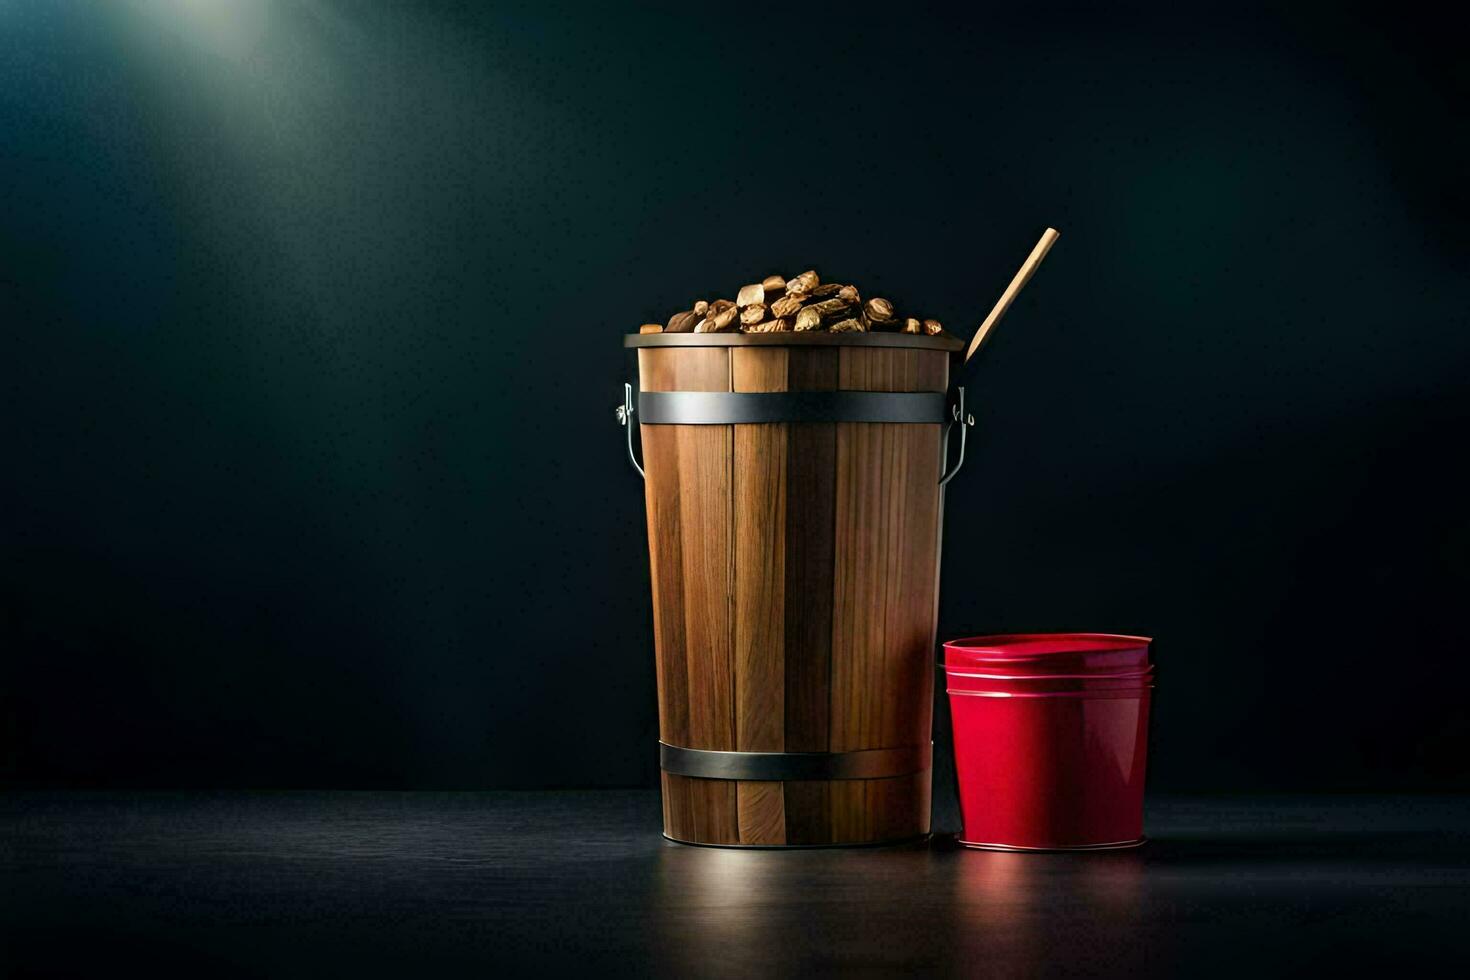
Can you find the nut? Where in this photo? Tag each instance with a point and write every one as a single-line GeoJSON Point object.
{"type": "Point", "coordinates": [830, 308]}
{"type": "Point", "coordinates": [724, 320]}
{"type": "Point", "coordinates": [786, 306]}
{"type": "Point", "coordinates": [714, 317]}
{"type": "Point", "coordinates": [803, 283]}
{"type": "Point", "coordinates": [802, 303]}
{"type": "Point", "coordinates": [720, 317]}
{"type": "Point", "coordinates": [879, 310]}
{"type": "Point", "coordinates": [682, 322]}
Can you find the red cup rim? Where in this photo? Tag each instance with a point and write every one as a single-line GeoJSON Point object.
{"type": "Point", "coordinates": [981, 670]}
{"type": "Point", "coordinates": [1025, 646]}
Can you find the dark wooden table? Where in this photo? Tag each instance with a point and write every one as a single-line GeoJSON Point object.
{"type": "Point", "coordinates": [331, 884]}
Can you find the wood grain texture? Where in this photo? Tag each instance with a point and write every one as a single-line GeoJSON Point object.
{"type": "Point", "coordinates": [810, 475]}
{"type": "Point", "coordinates": [760, 552]}
{"type": "Point", "coordinates": [705, 511]}
{"type": "Point", "coordinates": [796, 563]}
{"type": "Point", "coordinates": [659, 372]}
{"type": "Point", "coordinates": [859, 583]}
{"type": "Point", "coordinates": [762, 812]}
{"type": "Point", "coordinates": [760, 588]}
{"type": "Point", "coordinates": [688, 499]}
{"type": "Point", "coordinates": [886, 527]}
{"type": "Point", "coordinates": [700, 810]}
{"type": "Point", "coordinates": [713, 806]}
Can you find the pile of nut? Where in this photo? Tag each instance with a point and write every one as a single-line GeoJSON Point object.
{"type": "Point", "coordinates": [801, 303]}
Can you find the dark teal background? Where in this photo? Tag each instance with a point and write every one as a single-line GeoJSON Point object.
{"type": "Point", "coordinates": [312, 318]}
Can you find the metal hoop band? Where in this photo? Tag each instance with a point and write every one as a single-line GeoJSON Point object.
{"type": "Point", "coordinates": [735, 408]}
{"type": "Point", "coordinates": [865, 764]}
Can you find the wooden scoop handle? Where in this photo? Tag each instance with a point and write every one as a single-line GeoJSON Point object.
{"type": "Point", "coordinates": [1028, 269]}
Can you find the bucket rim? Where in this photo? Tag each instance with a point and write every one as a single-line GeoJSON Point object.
{"type": "Point", "coordinates": [978, 671]}
{"type": "Point", "coordinates": [813, 338]}
{"type": "Point", "coordinates": [1113, 694]}
{"type": "Point", "coordinates": [1041, 646]}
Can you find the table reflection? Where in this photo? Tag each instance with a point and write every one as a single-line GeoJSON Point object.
{"type": "Point", "coordinates": [737, 911]}
{"type": "Point", "coordinates": [1007, 907]}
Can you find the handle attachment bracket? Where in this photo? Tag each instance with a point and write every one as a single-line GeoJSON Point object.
{"type": "Point", "coordinates": [624, 413]}
{"type": "Point", "coordinates": [960, 417]}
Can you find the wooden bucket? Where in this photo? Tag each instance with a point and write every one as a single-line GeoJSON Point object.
{"type": "Point", "coordinates": [794, 496]}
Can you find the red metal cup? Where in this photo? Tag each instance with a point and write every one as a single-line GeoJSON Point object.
{"type": "Point", "coordinates": [1050, 739]}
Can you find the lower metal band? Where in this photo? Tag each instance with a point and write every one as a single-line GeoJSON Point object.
{"type": "Point", "coordinates": [864, 764]}
{"type": "Point", "coordinates": [737, 407]}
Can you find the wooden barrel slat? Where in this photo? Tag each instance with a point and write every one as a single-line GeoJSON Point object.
{"type": "Point", "coordinates": [704, 504]}
{"type": "Point", "coordinates": [810, 514]}
{"type": "Point", "coordinates": [912, 605]}
{"type": "Point", "coordinates": [760, 551]}
{"type": "Point", "coordinates": [794, 572]}
{"type": "Point", "coordinates": [760, 588]}
{"type": "Point", "coordinates": [859, 579]}
{"type": "Point", "coordinates": [702, 810]}
{"type": "Point", "coordinates": [657, 372]}
{"type": "Point", "coordinates": [688, 494]}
